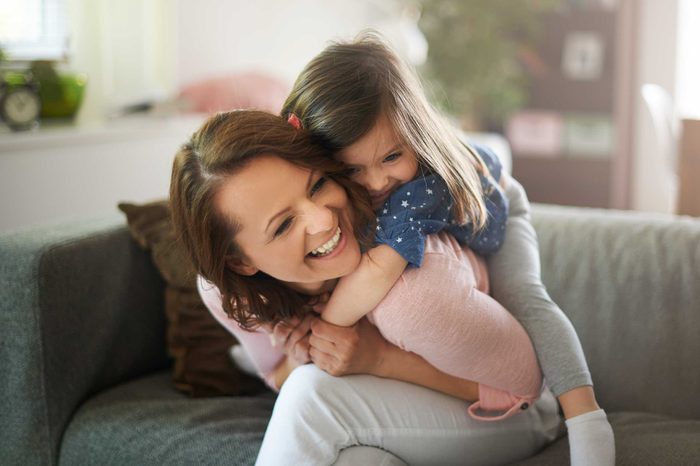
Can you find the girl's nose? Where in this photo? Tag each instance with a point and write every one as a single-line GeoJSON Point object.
{"type": "Point", "coordinates": [319, 219]}
{"type": "Point", "coordinates": [375, 181]}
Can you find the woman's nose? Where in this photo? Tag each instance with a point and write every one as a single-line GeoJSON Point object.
{"type": "Point", "coordinates": [319, 219]}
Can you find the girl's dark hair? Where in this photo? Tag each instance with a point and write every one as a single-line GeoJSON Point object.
{"type": "Point", "coordinates": [341, 93]}
{"type": "Point", "coordinates": [219, 149]}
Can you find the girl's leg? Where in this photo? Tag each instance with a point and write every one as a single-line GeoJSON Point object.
{"type": "Point", "coordinates": [318, 415]}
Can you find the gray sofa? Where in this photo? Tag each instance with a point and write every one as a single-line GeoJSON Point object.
{"type": "Point", "coordinates": [85, 376]}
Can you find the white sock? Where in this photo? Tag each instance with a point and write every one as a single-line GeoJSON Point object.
{"type": "Point", "coordinates": [591, 440]}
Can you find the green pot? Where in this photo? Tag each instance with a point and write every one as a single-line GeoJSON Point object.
{"type": "Point", "coordinates": [67, 103]}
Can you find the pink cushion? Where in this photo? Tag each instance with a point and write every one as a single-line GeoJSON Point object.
{"type": "Point", "coordinates": [240, 90]}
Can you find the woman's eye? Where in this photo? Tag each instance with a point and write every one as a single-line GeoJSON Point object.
{"type": "Point", "coordinates": [283, 227]}
{"type": "Point", "coordinates": [350, 172]}
{"type": "Point", "coordinates": [318, 185]}
{"type": "Point", "coordinates": [392, 157]}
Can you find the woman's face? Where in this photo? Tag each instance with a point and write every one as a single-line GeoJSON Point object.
{"type": "Point", "coordinates": [380, 161]}
{"type": "Point", "coordinates": [295, 224]}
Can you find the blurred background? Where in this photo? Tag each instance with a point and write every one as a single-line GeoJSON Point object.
{"type": "Point", "coordinates": [595, 102]}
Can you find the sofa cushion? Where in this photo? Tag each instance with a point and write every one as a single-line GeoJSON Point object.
{"type": "Point", "coordinates": [146, 421]}
{"type": "Point", "coordinates": [640, 439]}
{"type": "Point", "coordinates": [196, 341]}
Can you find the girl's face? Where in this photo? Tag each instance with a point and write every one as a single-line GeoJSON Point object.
{"type": "Point", "coordinates": [380, 161]}
{"type": "Point", "coordinates": [295, 224]}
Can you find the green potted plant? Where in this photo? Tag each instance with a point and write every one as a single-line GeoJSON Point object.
{"type": "Point", "coordinates": [473, 57]}
{"type": "Point", "coordinates": [61, 93]}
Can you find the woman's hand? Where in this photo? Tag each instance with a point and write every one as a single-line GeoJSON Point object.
{"type": "Point", "coordinates": [292, 337]}
{"type": "Point", "coordinates": [359, 349]}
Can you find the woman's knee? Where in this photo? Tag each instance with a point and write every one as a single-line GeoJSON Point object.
{"type": "Point", "coordinates": [308, 385]}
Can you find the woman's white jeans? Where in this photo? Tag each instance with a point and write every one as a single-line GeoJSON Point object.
{"type": "Point", "coordinates": [318, 419]}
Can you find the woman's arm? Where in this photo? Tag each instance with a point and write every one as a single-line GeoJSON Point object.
{"type": "Point", "coordinates": [361, 349]}
{"type": "Point", "coordinates": [273, 352]}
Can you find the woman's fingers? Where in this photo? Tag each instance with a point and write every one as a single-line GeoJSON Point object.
{"type": "Point", "coordinates": [341, 336]}
{"type": "Point", "coordinates": [321, 344]}
{"type": "Point", "coordinates": [326, 361]}
{"type": "Point", "coordinates": [300, 331]}
{"type": "Point", "coordinates": [335, 347]}
{"type": "Point", "coordinates": [300, 351]}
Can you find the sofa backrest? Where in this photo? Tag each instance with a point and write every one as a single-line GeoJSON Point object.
{"type": "Point", "coordinates": [81, 309]}
{"type": "Point", "coordinates": [630, 283]}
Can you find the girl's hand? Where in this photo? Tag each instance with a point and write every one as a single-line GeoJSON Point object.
{"type": "Point", "coordinates": [292, 337]}
{"type": "Point", "coordinates": [359, 349]}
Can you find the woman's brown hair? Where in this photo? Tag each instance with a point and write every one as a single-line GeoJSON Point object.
{"type": "Point", "coordinates": [220, 148]}
{"type": "Point", "coordinates": [341, 93]}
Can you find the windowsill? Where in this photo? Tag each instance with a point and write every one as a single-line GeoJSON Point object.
{"type": "Point", "coordinates": [65, 133]}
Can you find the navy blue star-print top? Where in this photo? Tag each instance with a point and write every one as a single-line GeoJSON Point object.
{"type": "Point", "coordinates": [424, 206]}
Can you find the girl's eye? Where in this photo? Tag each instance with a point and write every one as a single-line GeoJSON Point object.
{"type": "Point", "coordinates": [283, 227]}
{"type": "Point", "coordinates": [392, 157]}
{"type": "Point", "coordinates": [318, 185]}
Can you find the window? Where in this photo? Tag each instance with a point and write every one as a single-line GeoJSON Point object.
{"type": "Point", "coordinates": [33, 29]}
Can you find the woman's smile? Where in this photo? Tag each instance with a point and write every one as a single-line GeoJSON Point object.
{"type": "Point", "coordinates": [326, 249]}
{"type": "Point", "coordinates": [293, 224]}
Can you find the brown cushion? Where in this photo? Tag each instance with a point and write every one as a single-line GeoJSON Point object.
{"type": "Point", "coordinates": [196, 341]}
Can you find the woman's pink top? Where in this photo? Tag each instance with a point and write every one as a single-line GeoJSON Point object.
{"type": "Point", "coordinates": [442, 312]}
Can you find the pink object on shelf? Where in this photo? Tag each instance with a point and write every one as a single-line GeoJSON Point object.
{"type": "Point", "coordinates": [536, 133]}
{"type": "Point", "coordinates": [238, 90]}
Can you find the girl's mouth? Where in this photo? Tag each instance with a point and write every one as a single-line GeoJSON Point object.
{"type": "Point", "coordinates": [331, 247]}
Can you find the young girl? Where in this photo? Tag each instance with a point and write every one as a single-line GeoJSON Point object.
{"type": "Point", "coordinates": [361, 101]}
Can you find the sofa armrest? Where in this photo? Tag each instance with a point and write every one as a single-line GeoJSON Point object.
{"type": "Point", "coordinates": [81, 310]}
{"type": "Point", "coordinates": [630, 283]}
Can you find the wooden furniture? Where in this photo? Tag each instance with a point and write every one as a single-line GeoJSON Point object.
{"type": "Point", "coordinates": [689, 169]}
{"type": "Point", "coordinates": [571, 176]}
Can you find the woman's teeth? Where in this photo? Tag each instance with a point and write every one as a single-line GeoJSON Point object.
{"type": "Point", "coordinates": [329, 247]}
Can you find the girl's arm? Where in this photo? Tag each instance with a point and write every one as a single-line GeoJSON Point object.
{"type": "Point", "coordinates": [361, 291]}
{"type": "Point", "coordinates": [516, 283]}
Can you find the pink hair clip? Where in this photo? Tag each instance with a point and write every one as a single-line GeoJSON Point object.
{"type": "Point", "coordinates": [294, 121]}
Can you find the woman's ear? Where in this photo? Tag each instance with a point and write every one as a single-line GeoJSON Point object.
{"type": "Point", "coordinates": [241, 267]}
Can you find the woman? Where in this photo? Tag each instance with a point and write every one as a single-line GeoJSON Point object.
{"type": "Point", "coordinates": [234, 187]}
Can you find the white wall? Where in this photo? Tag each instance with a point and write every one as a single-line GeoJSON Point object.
{"type": "Point", "coordinates": [278, 36]}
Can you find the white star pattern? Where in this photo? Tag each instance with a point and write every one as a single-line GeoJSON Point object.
{"type": "Point", "coordinates": [398, 240]}
{"type": "Point", "coordinates": [385, 211]}
{"type": "Point", "coordinates": [429, 191]}
{"type": "Point", "coordinates": [404, 203]}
